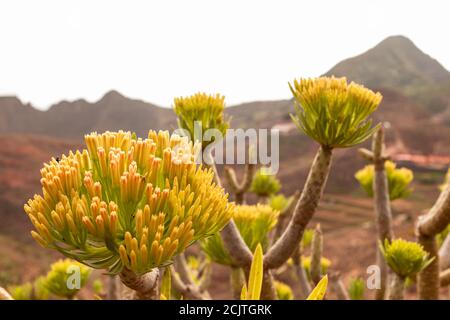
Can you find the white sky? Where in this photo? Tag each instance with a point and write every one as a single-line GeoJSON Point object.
{"type": "Point", "coordinates": [155, 50]}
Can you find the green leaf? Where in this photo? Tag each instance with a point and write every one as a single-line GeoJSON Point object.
{"type": "Point", "coordinates": [166, 284]}
{"type": "Point", "coordinates": [256, 275]}
{"type": "Point", "coordinates": [319, 291]}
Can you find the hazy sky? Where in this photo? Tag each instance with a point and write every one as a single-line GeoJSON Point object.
{"type": "Point", "coordinates": [155, 50]}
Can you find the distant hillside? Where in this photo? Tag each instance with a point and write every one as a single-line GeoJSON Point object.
{"type": "Point", "coordinates": [73, 119]}
{"type": "Point", "coordinates": [396, 63]}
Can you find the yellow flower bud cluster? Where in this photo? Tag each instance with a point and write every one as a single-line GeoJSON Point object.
{"type": "Point", "coordinates": [127, 201]}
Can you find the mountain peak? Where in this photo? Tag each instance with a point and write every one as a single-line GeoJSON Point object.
{"type": "Point", "coordinates": [397, 41]}
{"type": "Point", "coordinates": [396, 62]}
{"type": "Point", "coordinates": [112, 95]}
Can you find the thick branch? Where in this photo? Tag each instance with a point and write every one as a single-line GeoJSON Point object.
{"type": "Point", "coordinates": [428, 279]}
{"type": "Point", "coordinates": [444, 278]}
{"type": "Point", "coordinates": [304, 210]}
{"type": "Point", "coordinates": [146, 285]}
{"type": "Point", "coordinates": [4, 295]}
{"type": "Point", "coordinates": [189, 292]}
{"type": "Point", "coordinates": [437, 219]}
{"type": "Point", "coordinates": [236, 247]}
{"type": "Point", "coordinates": [444, 253]}
{"type": "Point", "coordinates": [396, 288]}
{"type": "Point", "coordinates": [382, 205]}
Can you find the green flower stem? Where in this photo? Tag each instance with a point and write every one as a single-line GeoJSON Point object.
{"type": "Point", "coordinates": [429, 225]}
{"type": "Point", "coordinates": [304, 210]}
{"type": "Point", "coordinates": [444, 278]}
{"type": "Point", "coordinates": [396, 288]}
{"type": "Point", "coordinates": [337, 286]}
{"type": "Point", "coordinates": [146, 286]}
{"type": "Point", "coordinates": [302, 278]}
{"type": "Point", "coordinates": [382, 206]}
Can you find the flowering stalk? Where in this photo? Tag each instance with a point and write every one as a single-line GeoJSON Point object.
{"type": "Point", "coordinates": [444, 253]}
{"type": "Point", "coordinates": [382, 203]}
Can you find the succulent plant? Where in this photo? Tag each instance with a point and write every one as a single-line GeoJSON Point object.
{"type": "Point", "coordinates": [35, 290]}
{"type": "Point", "coordinates": [204, 108]}
{"type": "Point", "coordinates": [58, 279]}
{"type": "Point", "coordinates": [127, 202]}
{"type": "Point", "coordinates": [284, 292]}
{"type": "Point", "coordinates": [356, 289]}
{"type": "Point", "coordinates": [405, 258]}
{"type": "Point", "coordinates": [324, 264]}
{"type": "Point", "coordinates": [333, 112]}
{"type": "Point", "coordinates": [98, 287]}
{"type": "Point", "coordinates": [253, 222]}
{"type": "Point", "coordinates": [307, 238]}
{"type": "Point", "coordinates": [280, 203]}
{"type": "Point", "coordinates": [265, 183]}
{"type": "Point", "coordinates": [399, 180]}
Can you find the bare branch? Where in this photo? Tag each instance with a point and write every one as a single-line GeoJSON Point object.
{"type": "Point", "coordinates": [189, 292]}
{"type": "Point", "coordinates": [428, 279]}
{"type": "Point", "coordinates": [316, 255]}
{"type": "Point", "coordinates": [444, 278]}
{"type": "Point", "coordinates": [234, 244]}
{"type": "Point", "coordinates": [145, 286]}
{"type": "Point", "coordinates": [305, 286]}
{"type": "Point", "coordinates": [4, 295]}
{"type": "Point", "coordinates": [444, 253]}
{"type": "Point", "coordinates": [304, 210]}
{"type": "Point", "coordinates": [437, 219]}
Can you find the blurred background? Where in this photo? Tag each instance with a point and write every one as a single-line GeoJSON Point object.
{"type": "Point", "coordinates": [69, 68]}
